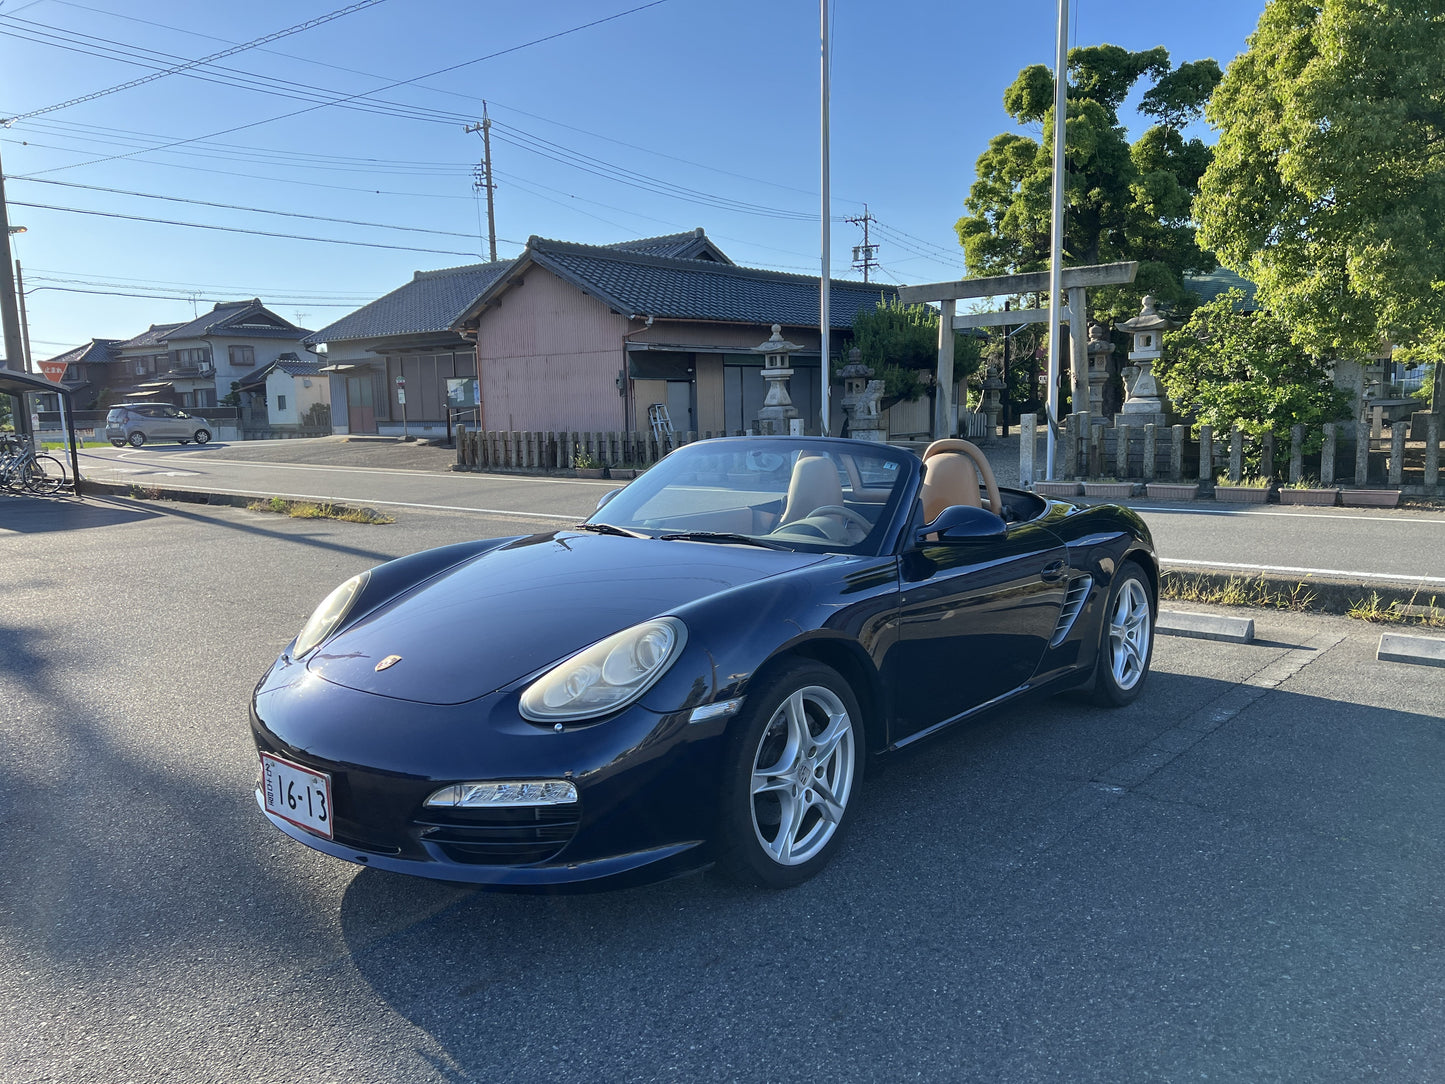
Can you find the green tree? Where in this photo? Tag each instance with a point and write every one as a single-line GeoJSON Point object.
{"type": "Point", "coordinates": [1228, 367]}
{"type": "Point", "coordinates": [900, 343]}
{"type": "Point", "coordinates": [1122, 201]}
{"type": "Point", "coordinates": [1327, 187]}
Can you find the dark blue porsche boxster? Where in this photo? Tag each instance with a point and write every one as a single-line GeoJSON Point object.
{"type": "Point", "coordinates": [699, 673]}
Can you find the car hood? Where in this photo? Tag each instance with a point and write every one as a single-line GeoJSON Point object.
{"type": "Point", "coordinates": [509, 612]}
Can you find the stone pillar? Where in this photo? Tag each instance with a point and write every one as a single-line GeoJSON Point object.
{"type": "Point", "coordinates": [1079, 351]}
{"type": "Point", "coordinates": [943, 400]}
{"type": "Point", "coordinates": [992, 403]}
{"type": "Point", "coordinates": [1145, 405]}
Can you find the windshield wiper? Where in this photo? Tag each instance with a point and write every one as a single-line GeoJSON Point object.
{"type": "Point", "coordinates": [719, 536]}
{"type": "Point", "coordinates": [607, 528]}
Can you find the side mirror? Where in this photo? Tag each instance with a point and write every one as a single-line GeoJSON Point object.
{"type": "Point", "coordinates": [964, 523]}
{"type": "Point", "coordinates": [607, 497]}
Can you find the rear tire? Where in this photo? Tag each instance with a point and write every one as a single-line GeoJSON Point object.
{"type": "Point", "coordinates": [118, 443]}
{"type": "Point", "coordinates": [794, 761]}
{"type": "Point", "coordinates": [137, 439]}
{"type": "Point", "coordinates": [45, 475]}
{"type": "Point", "coordinates": [1127, 643]}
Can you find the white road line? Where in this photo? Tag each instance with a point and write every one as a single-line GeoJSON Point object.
{"type": "Point", "coordinates": [1433, 521]}
{"type": "Point", "coordinates": [382, 471]}
{"type": "Point", "coordinates": [575, 518]}
{"type": "Point", "coordinates": [1397, 577]}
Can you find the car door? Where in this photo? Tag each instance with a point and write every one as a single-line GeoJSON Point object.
{"type": "Point", "coordinates": [975, 619]}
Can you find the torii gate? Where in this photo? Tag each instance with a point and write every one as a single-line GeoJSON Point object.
{"type": "Point", "coordinates": [948, 294]}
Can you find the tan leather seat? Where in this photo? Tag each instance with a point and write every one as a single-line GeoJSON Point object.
{"type": "Point", "coordinates": [814, 484]}
{"type": "Point", "coordinates": [953, 471]}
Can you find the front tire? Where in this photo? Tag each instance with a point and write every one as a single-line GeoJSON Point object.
{"type": "Point", "coordinates": [1128, 641]}
{"type": "Point", "coordinates": [794, 762]}
{"type": "Point", "coordinates": [202, 436]}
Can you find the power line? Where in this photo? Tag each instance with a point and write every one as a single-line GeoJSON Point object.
{"type": "Point", "coordinates": [236, 207]}
{"type": "Point", "coordinates": [239, 229]}
{"type": "Point", "coordinates": [330, 16]}
{"type": "Point", "coordinates": [176, 297]}
{"type": "Point", "coordinates": [389, 86]}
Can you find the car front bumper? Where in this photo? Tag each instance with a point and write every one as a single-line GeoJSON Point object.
{"type": "Point", "coordinates": [646, 784]}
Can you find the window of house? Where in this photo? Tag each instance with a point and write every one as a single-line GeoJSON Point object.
{"type": "Point", "coordinates": [193, 358]}
{"type": "Point", "coordinates": [280, 402]}
{"type": "Point", "coordinates": [243, 356]}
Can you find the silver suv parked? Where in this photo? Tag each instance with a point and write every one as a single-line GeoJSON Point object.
{"type": "Point", "coordinates": [140, 422]}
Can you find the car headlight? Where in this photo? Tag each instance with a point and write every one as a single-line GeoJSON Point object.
{"type": "Point", "coordinates": [329, 614]}
{"type": "Point", "coordinates": [609, 675]}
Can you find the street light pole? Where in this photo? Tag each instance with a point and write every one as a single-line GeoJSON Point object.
{"type": "Point", "coordinates": [1056, 261]}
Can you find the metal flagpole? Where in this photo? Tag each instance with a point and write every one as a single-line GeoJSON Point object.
{"type": "Point", "coordinates": [824, 283]}
{"type": "Point", "coordinates": [1056, 261]}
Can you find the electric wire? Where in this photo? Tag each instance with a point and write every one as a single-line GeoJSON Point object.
{"type": "Point", "coordinates": [318, 21]}
{"type": "Point", "coordinates": [239, 229]}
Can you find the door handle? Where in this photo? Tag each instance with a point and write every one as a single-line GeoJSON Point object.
{"type": "Point", "coordinates": [1054, 571]}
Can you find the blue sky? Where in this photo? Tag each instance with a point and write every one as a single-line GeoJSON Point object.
{"type": "Point", "coordinates": [716, 104]}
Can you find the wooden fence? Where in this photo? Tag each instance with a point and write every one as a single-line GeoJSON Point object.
{"type": "Point", "coordinates": [1361, 454]}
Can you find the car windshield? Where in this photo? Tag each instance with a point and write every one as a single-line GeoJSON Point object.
{"type": "Point", "coordinates": [807, 494]}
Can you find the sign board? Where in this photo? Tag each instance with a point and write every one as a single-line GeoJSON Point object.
{"type": "Point", "coordinates": [463, 393]}
{"type": "Point", "coordinates": [401, 396]}
{"type": "Point", "coordinates": [53, 370]}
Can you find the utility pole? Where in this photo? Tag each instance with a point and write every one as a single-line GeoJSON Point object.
{"type": "Point", "coordinates": [9, 314]}
{"type": "Point", "coordinates": [27, 361]}
{"type": "Point", "coordinates": [864, 255]}
{"type": "Point", "coordinates": [485, 180]}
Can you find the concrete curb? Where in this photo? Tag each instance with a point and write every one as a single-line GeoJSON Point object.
{"type": "Point", "coordinates": [1324, 596]}
{"type": "Point", "coordinates": [1420, 650]}
{"type": "Point", "coordinates": [139, 492]}
{"type": "Point", "coordinates": [1235, 630]}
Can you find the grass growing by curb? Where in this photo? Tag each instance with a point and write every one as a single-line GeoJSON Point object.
{"type": "Point", "coordinates": [1237, 591]}
{"type": "Point", "coordinates": [1394, 612]}
{"type": "Point", "coordinates": [312, 510]}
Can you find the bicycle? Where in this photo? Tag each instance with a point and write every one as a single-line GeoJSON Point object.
{"type": "Point", "coordinates": [22, 470]}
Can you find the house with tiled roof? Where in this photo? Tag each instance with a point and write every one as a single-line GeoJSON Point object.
{"type": "Point", "coordinates": [141, 361]}
{"type": "Point", "coordinates": [86, 371]}
{"type": "Point", "coordinates": [208, 354]}
{"type": "Point", "coordinates": [406, 335]}
{"type": "Point", "coordinates": [584, 337]}
{"type": "Point", "coordinates": [289, 395]}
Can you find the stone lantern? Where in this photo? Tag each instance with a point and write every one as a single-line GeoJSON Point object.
{"type": "Point", "coordinates": [1100, 350]}
{"type": "Point", "coordinates": [1144, 404]}
{"type": "Point", "coordinates": [778, 410]}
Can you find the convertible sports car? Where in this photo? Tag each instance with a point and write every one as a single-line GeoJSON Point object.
{"type": "Point", "coordinates": [698, 673]}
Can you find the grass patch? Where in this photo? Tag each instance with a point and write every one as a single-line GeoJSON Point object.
{"type": "Point", "coordinates": [1380, 611]}
{"type": "Point", "coordinates": [1237, 591]}
{"type": "Point", "coordinates": [313, 510]}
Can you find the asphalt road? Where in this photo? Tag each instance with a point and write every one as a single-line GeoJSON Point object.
{"type": "Point", "coordinates": [1355, 545]}
{"type": "Point", "coordinates": [1237, 878]}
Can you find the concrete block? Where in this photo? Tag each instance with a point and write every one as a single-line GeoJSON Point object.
{"type": "Point", "coordinates": [1421, 650]}
{"type": "Point", "coordinates": [1235, 630]}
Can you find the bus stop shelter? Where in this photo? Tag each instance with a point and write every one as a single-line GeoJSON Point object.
{"type": "Point", "coordinates": [18, 385]}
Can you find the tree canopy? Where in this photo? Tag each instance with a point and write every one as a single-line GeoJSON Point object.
{"type": "Point", "coordinates": [900, 343]}
{"type": "Point", "coordinates": [1226, 366]}
{"type": "Point", "coordinates": [1327, 187]}
{"type": "Point", "coordinates": [1123, 201]}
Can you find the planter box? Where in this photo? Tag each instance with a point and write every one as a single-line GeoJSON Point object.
{"type": "Point", "coordinates": [1058, 489]}
{"type": "Point", "coordinates": [1111, 490]}
{"type": "Point", "coordinates": [623, 474]}
{"type": "Point", "coordinates": [1370, 498]}
{"type": "Point", "coordinates": [1172, 491]}
{"type": "Point", "coordinates": [1242, 494]}
{"type": "Point", "coordinates": [588, 472]}
{"type": "Point", "coordinates": [1319, 498]}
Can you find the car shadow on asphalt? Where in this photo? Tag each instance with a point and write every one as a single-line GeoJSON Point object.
{"type": "Point", "coordinates": [998, 879]}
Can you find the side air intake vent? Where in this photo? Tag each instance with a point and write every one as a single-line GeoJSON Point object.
{"type": "Point", "coordinates": [1073, 603]}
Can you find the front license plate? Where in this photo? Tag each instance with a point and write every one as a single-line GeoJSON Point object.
{"type": "Point", "coordinates": [297, 794]}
